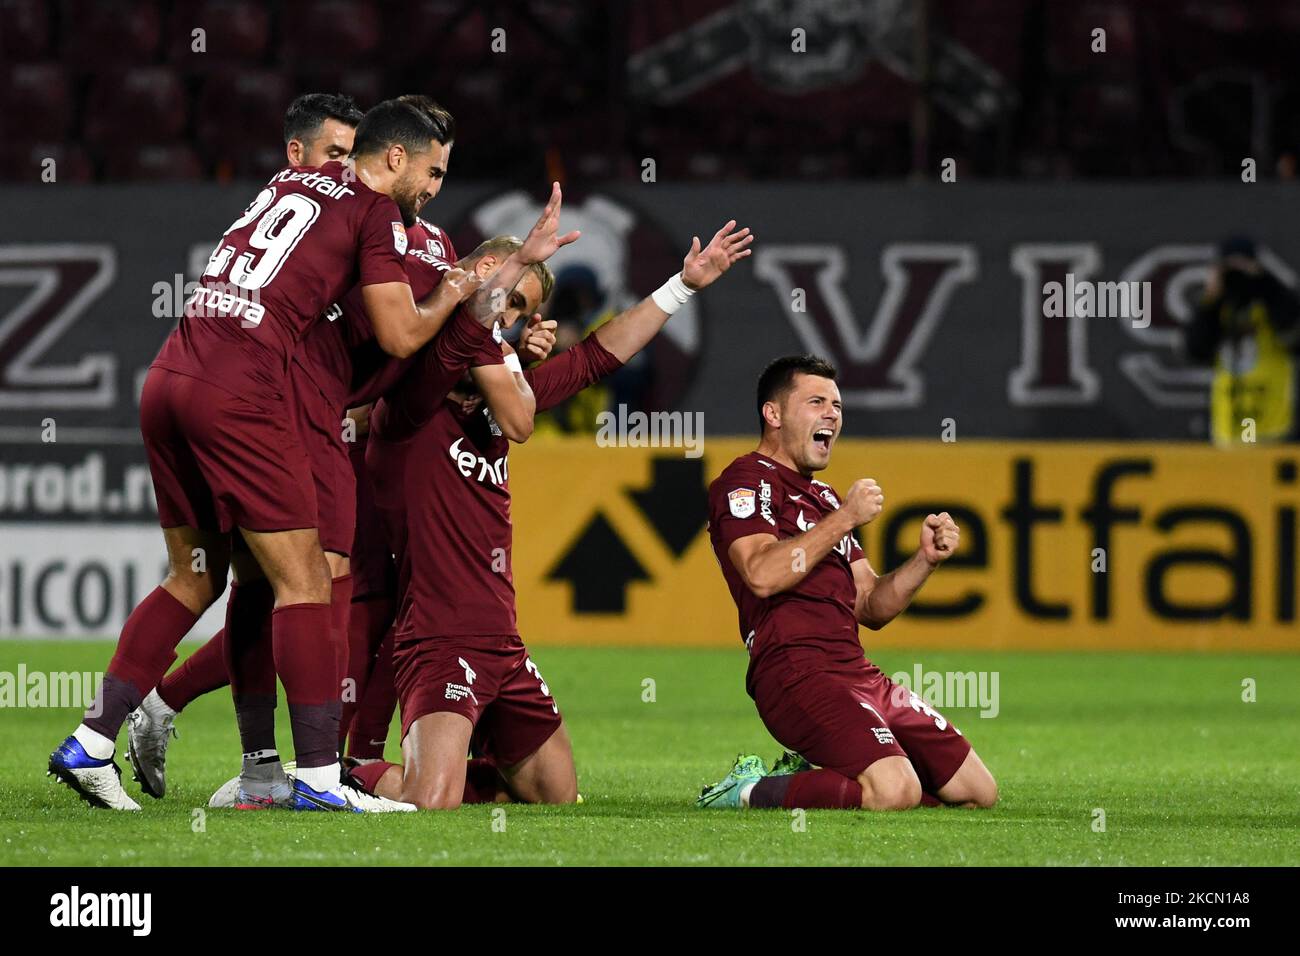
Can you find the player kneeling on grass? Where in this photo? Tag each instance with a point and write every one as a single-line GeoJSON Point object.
{"type": "Point", "coordinates": [441, 482]}
{"type": "Point", "coordinates": [802, 585]}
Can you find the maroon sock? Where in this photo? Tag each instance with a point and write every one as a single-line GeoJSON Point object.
{"type": "Point", "coordinates": [200, 673]}
{"type": "Point", "coordinates": [369, 729]}
{"type": "Point", "coordinates": [145, 650]}
{"type": "Point", "coordinates": [307, 662]}
{"type": "Point", "coordinates": [340, 617]}
{"type": "Point", "coordinates": [483, 782]}
{"type": "Point", "coordinates": [808, 790]}
{"type": "Point", "coordinates": [356, 674]}
{"type": "Point", "coordinates": [250, 663]}
{"type": "Point", "coordinates": [367, 775]}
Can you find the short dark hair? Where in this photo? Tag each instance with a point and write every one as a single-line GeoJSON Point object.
{"type": "Point", "coordinates": [778, 378]}
{"type": "Point", "coordinates": [401, 123]}
{"type": "Point", "coordinates": [443, 122]}
{"type": "Point", "coordinates": [305, 115]}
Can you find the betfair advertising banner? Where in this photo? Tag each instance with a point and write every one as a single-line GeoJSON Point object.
{"type": "Point", "coordinates": [1115, 546]}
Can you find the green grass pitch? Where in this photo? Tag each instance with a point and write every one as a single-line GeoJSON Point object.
{"type": "Point", "coordinates": [1186, 772]}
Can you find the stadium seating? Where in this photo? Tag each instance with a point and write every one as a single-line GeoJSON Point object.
{"type": "Point", "coordinates": [27, 33]}
{"type": "Point", "coordinates": [110, 33]}
{"type": "Point", "coordinates": [35, 103]}
{"type": "Point", "coordinates": [74, 70]}
{"type": "Point", "coordinates": [234, 31]}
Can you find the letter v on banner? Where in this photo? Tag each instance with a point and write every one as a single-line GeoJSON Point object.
{"type": "Point", "coordinates": [877, 366]}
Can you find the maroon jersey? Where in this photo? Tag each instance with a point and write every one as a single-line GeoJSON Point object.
{"type": "Point", "coordinates": [755, 495]}
{"type": "Point", "coordinates": [374, 372]}
{"type": "Point", "coordinates": [341, 355]}
{"type": "Point", "coordinates": [432, 240]}
{"type": "Point", "coordinates": [308, 237]}
{"type": "Point", "coordinates": [444, 493]}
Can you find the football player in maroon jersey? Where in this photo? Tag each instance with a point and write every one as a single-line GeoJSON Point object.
{"type": "Point", "coordinates": [318, 128]}
{"type": "Point", "coordinates": [802, 584]}
{"type": "Point", "coordinates": [218, 428]}
{"type": "Point", "coordinates": [441, 481]}
{"type": "Point", "coordinates": [322, 374]}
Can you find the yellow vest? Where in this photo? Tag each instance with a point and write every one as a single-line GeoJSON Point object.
{"type": "Point", "coordinates": [1252, 397]}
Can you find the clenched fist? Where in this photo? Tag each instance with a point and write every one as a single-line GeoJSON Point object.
{"type": "Point", "coordinates": [939, 537]}
{"type": "Point", "coordinates": [864, 501]}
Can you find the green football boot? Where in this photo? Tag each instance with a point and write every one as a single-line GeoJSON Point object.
{"type": "Point", "coordinates": [726, 792]}
{"type": "Point", "coordinates": [789, 762]}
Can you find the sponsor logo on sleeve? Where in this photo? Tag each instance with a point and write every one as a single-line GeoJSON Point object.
{"type": "Point", "coordinates": [765, 502]}
{"type": "Point", "coordinates": [399, 238]}
{"type": "Point", "coordinates": [741, 502]}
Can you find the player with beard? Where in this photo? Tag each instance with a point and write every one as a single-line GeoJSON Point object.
{"type": "Point", "coordinates": [216, 412]}
{"type": "Point", "coordinates": [802, 585]}
{"type": "Point", "coordinates": [441, 476]}
{"type": "Point", "coordinates": [316, 129]}
{"type": "Point", "coordinates": [422, 384]}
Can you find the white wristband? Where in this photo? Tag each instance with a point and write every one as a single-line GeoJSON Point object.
{"type": "Point", "coordinates": [672, 295]}
{"type": "Point", "coordinates": [512, 363]}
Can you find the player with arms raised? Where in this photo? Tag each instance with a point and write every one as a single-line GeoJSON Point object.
{"type": "Point", "coordinates": [441, 472]}
{"type": "Point", "coordinates": [802, 585]}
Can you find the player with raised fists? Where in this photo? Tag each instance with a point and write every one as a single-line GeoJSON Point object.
{"type": "Point", "coordinates": [802, 583]}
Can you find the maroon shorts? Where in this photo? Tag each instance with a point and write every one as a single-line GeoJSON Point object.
{"type": "Point", "coordinates": [320, 428]}
{"type": "Point", "coordinates": [847, 718]}
{"type": "Point", "coordinates": [220, 461]}
{"type": "Point", "coordinates": [489, 680]}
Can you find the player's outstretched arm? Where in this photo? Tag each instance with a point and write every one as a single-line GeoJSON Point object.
{"type": "Point", "coordinates": [508, 395]}
{"type": "Point", "coordinates": [769, 565]}
{"type": "Point", "coordinates": [881, 598]}
{"type": "Point", "coordinates": [629, 332]}
{"type": "Point", "coordinates": [542, 242]}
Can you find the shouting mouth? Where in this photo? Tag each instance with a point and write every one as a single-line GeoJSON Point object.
{"type": "Point", "coordinates": [822, 438]}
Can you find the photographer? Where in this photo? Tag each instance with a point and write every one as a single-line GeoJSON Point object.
{"type": "Point", "coordinates": [1248, 327]}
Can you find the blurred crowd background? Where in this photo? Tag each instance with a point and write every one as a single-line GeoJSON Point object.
{"type": "Point", "coordinates": [116, 91]}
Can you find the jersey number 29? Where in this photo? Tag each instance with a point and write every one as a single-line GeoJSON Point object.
{"type": "Point", "coordinates": [281, 225]}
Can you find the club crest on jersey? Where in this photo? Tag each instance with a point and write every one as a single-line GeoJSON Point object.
{"type": "Point", "coordinates": [826, 492]}
{"type": "Point", "coordinates": [399, 238]}
{"type": "Point", "coordinates": [741, 502]}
